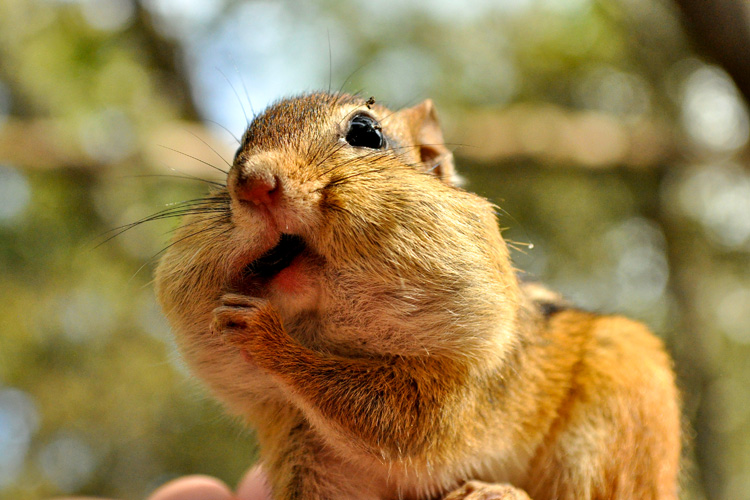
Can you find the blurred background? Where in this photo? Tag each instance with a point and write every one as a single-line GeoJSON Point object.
{"type": "Point", "coordinates": [613, 134]}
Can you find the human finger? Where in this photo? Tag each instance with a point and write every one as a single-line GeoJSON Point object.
{"type": "Point", "coordinates": [254, 485]}
{"type": "Point", "coordinates": [193, 488]}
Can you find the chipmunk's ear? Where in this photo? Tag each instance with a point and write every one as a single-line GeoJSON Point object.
{"type": "Point", "coordinates": [423, 124]}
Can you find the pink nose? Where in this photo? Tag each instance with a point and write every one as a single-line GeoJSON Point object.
{"type": "Point", "coordinates": [258, 189]}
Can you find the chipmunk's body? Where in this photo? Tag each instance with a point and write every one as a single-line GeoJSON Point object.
{"type": "Point", "coordinates": [363, 315]}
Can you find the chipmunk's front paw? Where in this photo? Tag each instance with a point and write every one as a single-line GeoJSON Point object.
{"type": "Point", "coordinates": [477, 490]}
{"type": "Point", "coordinates": [249, 323]}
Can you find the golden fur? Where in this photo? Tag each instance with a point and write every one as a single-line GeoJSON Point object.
{"type": "Point", "coordinates": [399, 357]}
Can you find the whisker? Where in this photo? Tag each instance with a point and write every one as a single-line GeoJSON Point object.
{"type": "Point", "coordinates": [330, 61]}
{"type": "Point", "coordinates": [170, 215]}
{"type": "Point", "coordinates": [317, 165]}
{"type": "Point", "coordinates": [211, 165]}
{"type": "Point", "coordinates": [340, 181]}
{"type": "Point", "coordinates": [184, 176]}
{"type": "Point", "coordinates": [244, 87]}
{"type": "Point", "coordinates": [351, 75]}
{"type": "Point", "coordinates": [214, 150]}
{"type": "Point", "coordinates": [226, 130]}
{"type": "Point", "coordinates": [389, 115]}
{"type": "Point", "coordinates": [200, 205]}
{"type": "Point", "coordinates": [214, 218]}
{"type": "Point", "coordinates": [446, 144]}
{"type": "Point", "coordinates": [344, 164]}
{"type": "Point", "coordinates": [242, 106]}
{"type": "Point", "coordinates": [151, 259]}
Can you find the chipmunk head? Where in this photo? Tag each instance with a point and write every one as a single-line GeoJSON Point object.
{"type": "Point", "coordinates": [344, 215]}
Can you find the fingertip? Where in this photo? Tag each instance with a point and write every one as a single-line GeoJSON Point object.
{"type": "Point", "coordinates": [193, 488]}
{"type": "Point", "coordinates": [254, 485]}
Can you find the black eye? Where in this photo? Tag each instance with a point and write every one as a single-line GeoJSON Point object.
{"type": "Point", "coordinates": [364, 132]}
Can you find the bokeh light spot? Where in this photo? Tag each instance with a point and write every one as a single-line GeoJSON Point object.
{"type": "Point", "coordinates": [19, 420]}
{"type": "Point", "coordinates": [107, 136]}
{"type": "Point", "coordinates": [108, 15]}
{"type": "Point", "coordinates": [718, 197]}
{"type": "Point", "coordinates": [712, 111]}
{"type": "Point", "coordinates": [86, 314]}
{"type": "Point", "coordinates": [15, 194]}
{"type": "Point", "coordinates": [67, 461]}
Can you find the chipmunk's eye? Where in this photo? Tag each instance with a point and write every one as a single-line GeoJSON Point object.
{"type": "Point", "coordinates": [364, 132]}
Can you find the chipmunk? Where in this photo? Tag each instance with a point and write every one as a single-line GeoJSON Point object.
{"type": "Point", "coordinates": [360, 310]}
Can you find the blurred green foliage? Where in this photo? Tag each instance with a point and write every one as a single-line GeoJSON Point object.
{"type": "Point", "coordinates": [93, 398]}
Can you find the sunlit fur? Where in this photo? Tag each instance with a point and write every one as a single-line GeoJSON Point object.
{"type": "Point", "coordinates": [408, 359]}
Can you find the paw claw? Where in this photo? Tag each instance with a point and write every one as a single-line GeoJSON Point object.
{"type": "Point", "coordinates": [248, 323]}
{"type": "Point", "coordinates": [477, 490]}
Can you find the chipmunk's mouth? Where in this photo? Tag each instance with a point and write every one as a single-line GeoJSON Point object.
{"type": "Point", "coordinates": [274, 260]}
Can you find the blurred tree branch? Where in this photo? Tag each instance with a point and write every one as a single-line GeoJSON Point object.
{"type": "Point", "coordinates": [721, 28]}
{"type": "Point", "coordinates": [46, 144]}
{"type": "Point", "coordinates": [164, 56]}
{"type": "Point", "coordinates": [545, 132]}
{"type": "Point", "coordinates": [553, 134]}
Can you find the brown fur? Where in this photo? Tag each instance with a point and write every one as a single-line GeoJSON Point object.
{"type": "Point", "coordinates": [402, 358]}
